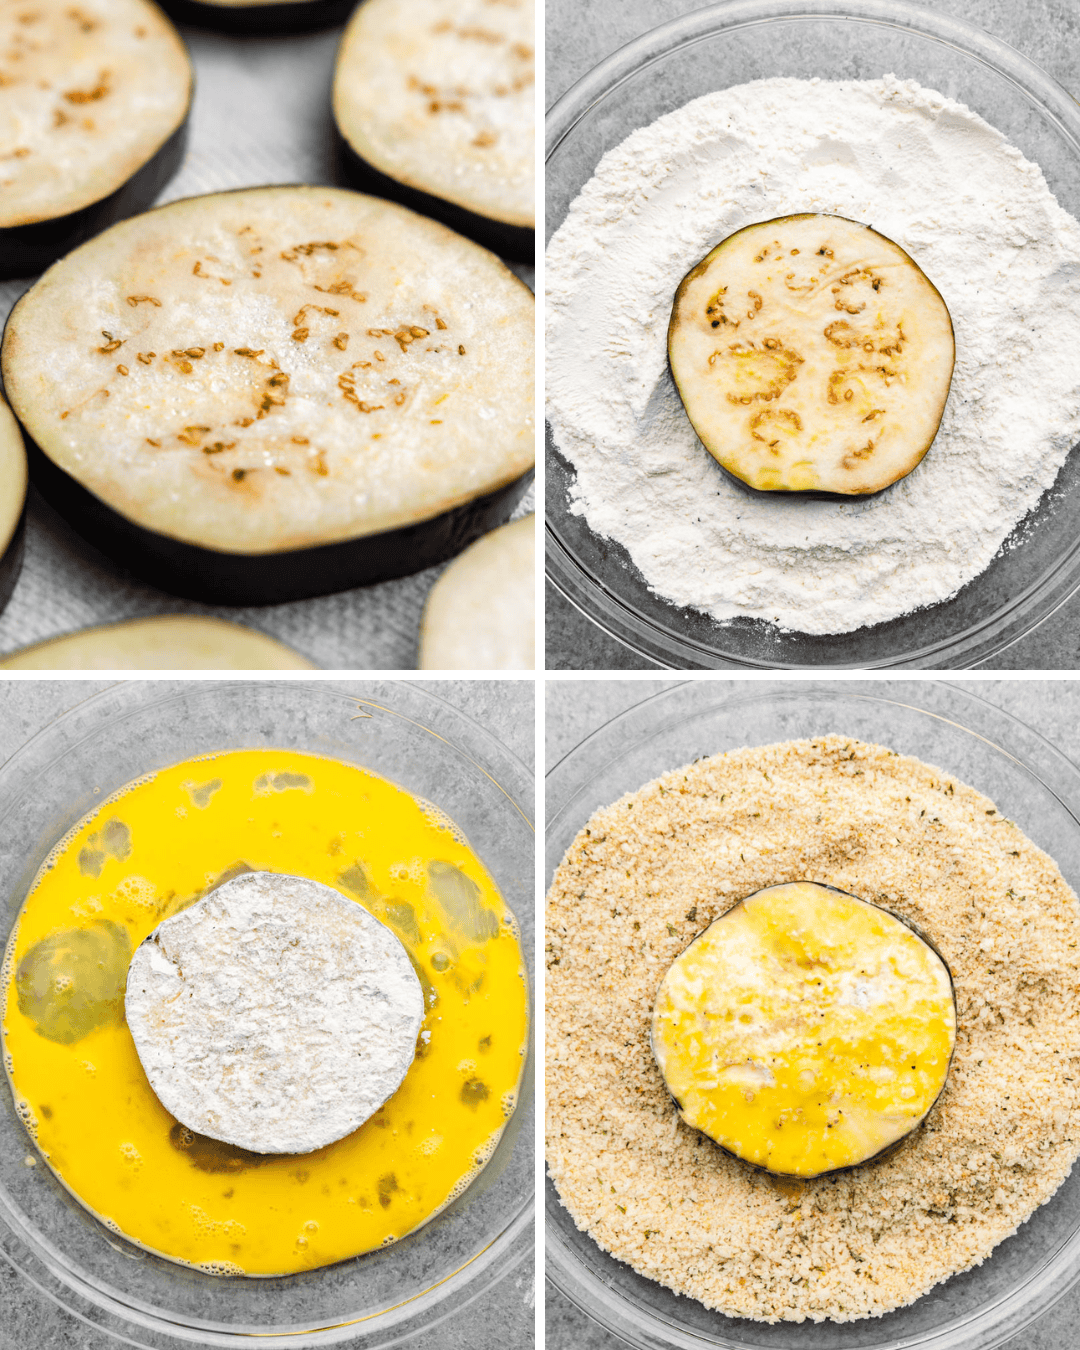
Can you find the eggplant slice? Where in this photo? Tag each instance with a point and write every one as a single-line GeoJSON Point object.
{"type": "Point", "coordinates": [168, 642]}
{"type": "Point", "coordinates": [269, 394]}
{"type": "Point", "coordinates": [13, 485]}
{"type": "Point", "coordinates": [94, 101]}
{"type": "Point", "coordinates": [812, 354]}
{"type": "Point", "coordinates": [260, 17]}
{"type": "Point", "coordinates": [806, 1030]}
{"type": "Point", "coordinates": [481, 613]}
{"type": "Point", "coordinates": [434, 107]}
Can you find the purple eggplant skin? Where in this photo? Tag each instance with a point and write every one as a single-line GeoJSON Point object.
{"type": "Point", "coordinates": [516, 242]}
{"type": "Point", "coordinates": [26, 250]}
{"type": "Point", "coordinates": [240, 579]}
{"type": "Point", "coordinates": [300, 16]}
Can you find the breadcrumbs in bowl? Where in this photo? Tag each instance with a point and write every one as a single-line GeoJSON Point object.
{"type": "Point", "coordinates": [650, 872]}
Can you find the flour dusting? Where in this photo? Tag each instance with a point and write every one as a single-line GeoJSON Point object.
{"type": "Point", "coordinates": [928, 173]}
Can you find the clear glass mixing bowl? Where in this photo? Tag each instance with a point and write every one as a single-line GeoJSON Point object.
{"type": "Point", "coordinates": [433, 750]}
{"type": "Point", "coordinates": [725, 44]}
{"type": "Point", "coordinates": [1031, 783]}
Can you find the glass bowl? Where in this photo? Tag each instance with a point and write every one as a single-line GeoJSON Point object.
{"type": "Point", "coordinates": [1032, 784]}
{"type": "Point", "coordinates": [383, 1298]}
{"type": "Point", "coordinates": [1038, 567]}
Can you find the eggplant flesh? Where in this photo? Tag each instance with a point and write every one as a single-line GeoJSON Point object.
{"type": "Point", "coordinates": [806, 1031]}
{"type": "Point", "coordinates": [168, 642]}
{"type": "Point", "coordinates": [260, 18]}
{"type": "Point", "coordinates": [812, 354]}
{"type": "Point", "coordinates": [94, 103]}
{"type": "Point", "coordinates": [13, 486]}
{"type": "Point", "coordinates": [435, 108]}
{"type": "Point", "coordinates": [481, 612]}
{"type": "Point", "coordinates": [274, 393]}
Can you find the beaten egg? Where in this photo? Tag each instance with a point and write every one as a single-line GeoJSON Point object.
{"type": "Point", "coordinates": [156, 847]}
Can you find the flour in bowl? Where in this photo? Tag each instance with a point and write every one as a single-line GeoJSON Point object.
{"type": "Point", "coordinates": [926, 172]}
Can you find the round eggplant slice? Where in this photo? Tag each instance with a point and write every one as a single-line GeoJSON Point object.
{"type": "Point", "coordinates": [812, 354]}
{"type": "Point", "coordinates": [260, 17]}
{"type": "Point", "coordinates": [169, 642]}
{"type": "Point", "coordinates": [263, 395]}
{"type": "Point", "coordinates": [481, 613]}
{"type": "Point", "coordinates": [13, 485]}
{"type": "Point", "coordinates": [94, 100]}
{"type": "Point", "coordinates": [434, 106]}
{"type": "Point", "coordinates": [805, 1030]}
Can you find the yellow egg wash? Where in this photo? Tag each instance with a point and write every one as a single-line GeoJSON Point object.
{"type": "Point", "coordinates": [805, 1029]}
{"type": "Point", "coordinates": [153, 849]}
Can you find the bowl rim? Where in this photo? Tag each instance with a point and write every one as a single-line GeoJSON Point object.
{"type": "Point", "coordinates": [1004, 733]}
{"type": "Point", "coordinates": [101, 1305]}
{"type": "Point", "coordinates": [1023, 611]}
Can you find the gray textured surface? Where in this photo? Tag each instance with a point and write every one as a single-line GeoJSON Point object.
{"type": "Point", "coordinates": [574, 709]}
{"type": "Point", "coordinates": [504, 1315]}
{"type": "Point", "coordinates": [261, 115]}
{"type": "Point", "coordinates": [1046, 31]}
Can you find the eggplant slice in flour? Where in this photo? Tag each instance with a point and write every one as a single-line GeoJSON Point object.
{"type": "Point", "coordinates": [164, 642]}
{"type": "Point", "coordinates": [259, 396]}
{"type": "Point", "coordinates": [434, 107]}
{"type": "Point", "coordinates": [94, 101]}
{"type": "Point", "coordinates": [13, 485]}
{"type": "Point", "coordinates": [261, 17]}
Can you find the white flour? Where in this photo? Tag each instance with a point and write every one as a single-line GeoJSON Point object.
{"type": "Point", "coordinates": [924, 171]}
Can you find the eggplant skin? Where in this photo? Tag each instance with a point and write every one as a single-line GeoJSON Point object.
{"type": "Point", "coordinates": [295, 16]}
{"type": "Point", "coordinates": [26, 250]}
{"type": "Point", "coordinates": [215, 578]}
{"type": "Point", "coordinates": [516, 242]}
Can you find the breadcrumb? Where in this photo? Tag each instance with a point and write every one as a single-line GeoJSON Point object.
{"type": "Point", "coordinates": [650, 872]}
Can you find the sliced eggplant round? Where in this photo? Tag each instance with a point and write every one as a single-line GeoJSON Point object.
{"type": "Point", "coordinates": [167, 642]}
{"type": "Point", "coordinates": [481, 612]}
{"type": "Point", "coordinates": [261, 17]}
{"type": "Point", "coordinates": [812, 354]}
{"type": "Point", "coordinates": [264, 395]}
{"type": "Point", "coordinates": [94, 101]}
{"type": "Point", "coordinates": [434, 107]}
{"type": "Point", "coordinates": [13, 485]}
{"type": "Point", "coordinates": [806, 1030]}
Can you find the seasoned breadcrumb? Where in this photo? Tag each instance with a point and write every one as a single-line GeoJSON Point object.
{"type": "Point", "coordinates": [652, 871]}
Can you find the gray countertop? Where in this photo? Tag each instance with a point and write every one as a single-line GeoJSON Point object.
{"type": "Point", "coordinates": [578, 37]}
{"type": "Point", "coordinates": [504, 1314]}
{"type": "Point", "coordinates": [576, 708]}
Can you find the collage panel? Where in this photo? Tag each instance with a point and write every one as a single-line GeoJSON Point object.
{"type": "Point", "coordinates": [268, 1006]}
{"type": "Point", "coordinates": [806, 268]}
{"type": "Point", "coordinates": [268, 357]}
{"type": "Point", "coordinates": [811, 981]}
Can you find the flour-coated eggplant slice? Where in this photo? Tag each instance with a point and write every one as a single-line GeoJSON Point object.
{"type": "Point", "coordinates": [260, 17]}
{"type": "Point", "coordinates": [162, 642]}
{"type": "Point", "coordinates": [481, 612]}
{"type": "Point", "coordinates": [262, 395]}
{"type": "Point", "coordinates": [13, 485]}
{"type": "Point", "coordinates": [433, 103]}
{"type": "Point", "coordinates": [94, 101]}
{"type": "Point", "coordinates": [273, 1014]}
